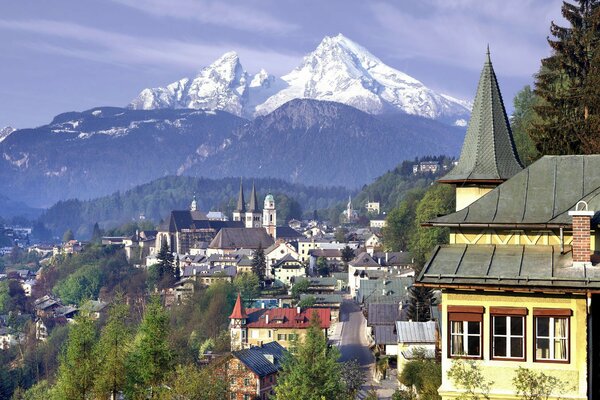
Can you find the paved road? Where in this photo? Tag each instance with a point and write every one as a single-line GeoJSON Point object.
{"type": "Point", "coordinates": [353, 343]}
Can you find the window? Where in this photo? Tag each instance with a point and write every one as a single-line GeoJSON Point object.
{"type": "Point", "coordinates": [508, 333]}
{"type": "Point", "coordinates": [281, 336]}
{"type": "Point", "coordinates": [254, 334]}
{"type": "Point", "coordinates": [552, 334]}
{"type": "Point", "coordinates": [246, 382]}
{"type": "Point", "coordinates": [465, 331]}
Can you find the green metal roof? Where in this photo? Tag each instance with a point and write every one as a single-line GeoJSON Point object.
{"type": "Point", "coordinates": [488, 152]}
{"type": "Point", "coordinates": [542, 194]}
{"type": "Point", "coordinates": [507, 266]}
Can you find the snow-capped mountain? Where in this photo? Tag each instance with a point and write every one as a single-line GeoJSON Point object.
{"type": "Point", "coordinates": [338, 70]}
{"type": "Point", "coordinates": [4, 132]}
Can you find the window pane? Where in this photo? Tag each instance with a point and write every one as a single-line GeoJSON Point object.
{"type": "Point", "coordinates": [499, 346]}
{"type": "Point", "coordinates": [473, 328]}
{"type": "Point", "coordinates": [543, 326]}
{"type": "Point", "coordinates": [542, 348]}
{"type": "Point", "coordinates": [560, 349]}
{"type": "Point", "coordinates": [456, 345]}
{"type": "Point", "coordinates": [457, 327]}
{"type": "Point", "coordinates": [560, 327]}
{"type": "Point", "coordinates": [473, 343]}
{"type": "Point", "coordinates": [500, 325]}
{"type": "Point", "coordinates": [516, 348]}
{"type": "Point", "coordinates": [516, 326]}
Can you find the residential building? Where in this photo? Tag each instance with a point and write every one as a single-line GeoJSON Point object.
{"type": "Point", "coordinates": [373, 207]}
{"type": "Point", "coordinates": [520, 276]}
{"type": "Point", "coordinates": [415, 340]}
{"type": "Point", "coordinates": [287, 270]}
{"type": "Point", "coordinates": [253, 372]}
{"type": "Point", "coordinates": [256, 326]}
{"type": "Point", "coordinates": [277, 251]}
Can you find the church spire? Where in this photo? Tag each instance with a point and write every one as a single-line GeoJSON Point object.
{"type": "Point", "coordinates": [239, 312]}
{"type": "Point", "coordinates": [241, 203]}
{"type": "Point", "coordinates": [253, 200]}
{"type": "Point", "coordinates": [488, 154]}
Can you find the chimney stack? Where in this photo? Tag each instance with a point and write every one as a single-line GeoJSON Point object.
{"type": "Point", "coordinates": [581, 234]}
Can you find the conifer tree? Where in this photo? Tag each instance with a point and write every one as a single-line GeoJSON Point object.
{"type": "Point", "coordinates": [563, 84]}
{"type": "Point", "coordinates": [112, 351]}
{"type": "Point", "coordinates": [259, 263]}
{"type": "Point", "coordinates": [78, 365]}
{"type": "Point", "coordinates": [311, 371]}
{"type": "Point", "coordinates": [96, 234]}
{"type": "Point", "coordinates": [151, 357]}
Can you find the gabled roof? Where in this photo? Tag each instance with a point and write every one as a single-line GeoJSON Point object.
{"type": "Point", "coordinates": [241, 238]}
{"type": "Point", "coordinates": [364, 260]}
{"type": "Point", "coordinates": [285, 232]}
{"type": "Point", "coordinates": [255, 358]}
{"type": "Point", "coordinates": [488, 153]}
{"type": "Point", "coordinates": [389, 290]}
{"type": "Point", "coordinates": [288, 262]}
{"type": "Point", "coordinates": [238, 309]}
{"type": "Point", "coordinates": [385, 334]}
{"type": "Point", "coordinates": [508, 266]}
{"type": "Point", "coordinates": [286, 318]}
{"type": "Point", "coordinates": [416, 332]}
{"type": "Point", "coordinates": [542, 194]}
{"type": "Point", "coordinates": [383, 314]}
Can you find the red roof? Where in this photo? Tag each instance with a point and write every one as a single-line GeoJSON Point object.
{"type": "Point", "coordinates": [238, 310]}
{"type": "Point", "coordinates": [286, 318]}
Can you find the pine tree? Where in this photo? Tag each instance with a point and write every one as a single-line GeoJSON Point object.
{"type": "Point", "coordinates": [177, 270]}
{"type": "Point", "coordinates": [78, 365]}
{"type": "Point", "coordinates": [311, 371]}
{"type": "Point", "coordinates": [112, 351]}
{"type": "Point", "coordinates": [151, 357]}
{"type": "Point", "coordinates": [561, 83]}
{"type": "Point", "coordinates": [166, 271]}
{"type": "Point", "coordinates": [420, 301]}
{"type": "Point", "coordinates": [96, 234]}
{"type": "Point", "coordinates": [259, 263]}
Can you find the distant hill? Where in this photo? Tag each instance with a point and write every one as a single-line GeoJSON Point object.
{"type": "Point", "coordinates": [106, 149]}
{"type": "Point", "coordinates": [10, 208]}
{"type": "Point", "coordinates": [156, 199]}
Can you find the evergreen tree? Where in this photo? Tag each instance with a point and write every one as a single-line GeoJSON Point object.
{"type": "Point", "coordinates": [311, 371]}
{"type": "Point", "coordinates": [112, 351]}
{"type": "Point", "coordinates": [177, 269]}
{"type": "Point", "coordinates": [259, 263]}
{"type": "Point", "coordinates": [563, 84]}
{"type": "Point", "coordinates": [96, 234]}
{"type": "Point", "coordinates": [151, 357]}
{"type": "Point", "coordinates": [78, 365]}
{"type": "Point", "coordinates": [68, 236]}
{"type": "Point", "coordinates": [166, 275]}
{"type": "Point", "coordinates": [522, 119]}
{"type": "Point", "coordinates": [347, 254]}
{"type": "Point", "coordinates": [420, 300]}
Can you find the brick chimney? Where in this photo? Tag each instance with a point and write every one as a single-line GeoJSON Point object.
{"type": "Point", "coordinates": [581, 234]}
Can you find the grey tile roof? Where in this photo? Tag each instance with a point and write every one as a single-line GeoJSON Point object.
{"type": "Point", "coordinates": [385, 334]}
{"type": "Point", "coordinates": [541, 194]}
{"type": "Point", "coordinates": [285, 232]}
{"type": "Point", "coordinates": [390, 290]}
{"type": "Point", "coordinates": [255, 358]}
{"type": "Point", "coordinates": [383, 314]}
{"type": "Point", "coordinates": [488, 151]}
{"type": "Point", "coordinates": [238, 238]}
{"type": "Point", "coordinates": [324, 298]}
{"type": "Point", "coordinates": [507, 266]}
{"type": "Point", "coordinates": [416, 332]}
{"type": "Point", "coordinates": [287, 261]}
{"type": "Point", "coordinates": [363, 260]}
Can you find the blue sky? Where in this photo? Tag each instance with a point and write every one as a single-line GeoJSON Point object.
{"type": "Point", "coordinates": [72, 55]}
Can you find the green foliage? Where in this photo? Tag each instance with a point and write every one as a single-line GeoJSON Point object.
{"type": "Point", "coordinates": [78, 364]}
{"type": "Point", "coordinates": [259, 263]}
{"type": "Point", "coordinates": [248, 285]}
{"type": "Point", "coordinates": [83, 284]}
{"type": "Point", "coordinates": [68, 236]}
{"type": "Point", "coordinates": [151, 357]}
{"type": "Point", "coordinates": [112, 351]}
{"type": "Point", "coordinates": [400, 222]}
{"type": "Point", "coordinates": [301, 286]}
{"type": "Point", "coordinates": [422, 374]}
{"type": "Point", "coordinates": [311, 370]}
{"type": "Point", "coordinates": [567, 84]}
{"type": "Point", "coordinates": [96, 234]}
{"type": "Point", "coordinates": [403, 394]}
{"type": "Point", "coordinates": [190, 382]}
{"type": "Point", "coordinates": [340, 234]}
{"type": "Point", "coordinates": [165, 267]}
{"type": "Point", "coordinates": [40, 391]}
{"type": "Point", "coordinates": [322, 266]}
{"type": "Point", "coordinates": [532, 385]}
{"type": "Point", "coordinates": [287, 208]}
{"type": "Point", "coordinates": [420, 301]}
{"type": "Point", "coordinates": [521, 122]}
{"type": "Point", "coordinates": [467, 376]}
{"type": "Point", "coordinates": [438, 200]}
{"type": "Point", "coordinates": [308, 301]}
{"type": "Point", "coordinates": [347, 254]}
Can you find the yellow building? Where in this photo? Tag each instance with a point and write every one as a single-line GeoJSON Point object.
{"type": "Point", "coordinates": [256, 326]}
{"type": "Point", "coordinates": [519, 278]}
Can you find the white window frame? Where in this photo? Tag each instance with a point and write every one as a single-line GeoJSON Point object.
{"type": "Point", "coordinates": [465, 339]}
{"type": "Point", "coordinates": [552, 338]}
{"type": "Point", "coordinates": [508, 336]}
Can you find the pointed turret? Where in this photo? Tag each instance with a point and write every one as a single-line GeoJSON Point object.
{"type": "Point", "coordinates": [253, 200]}
{"type": "Point", "coordinates": [239, 312]}
{"type": "Point", "coordinates": [489, 156]}
{"type": "Point", "coordinates": [241, 203]}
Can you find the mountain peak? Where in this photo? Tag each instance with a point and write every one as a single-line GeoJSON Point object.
{"type": "Point", "coordinates": [4, 132]}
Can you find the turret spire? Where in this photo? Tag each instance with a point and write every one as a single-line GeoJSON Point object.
{"type": "Point", "coordinates": [253, 200]}
{"type": "Point", "coordinates": [239, 312]}
{"type": "Point", "coordinates": [488, 154]}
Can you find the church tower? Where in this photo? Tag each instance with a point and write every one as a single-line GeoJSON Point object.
{"type": "Point", "coordinates": [253, 214]}
{"type": "Point", "coordinates": [194, 205]}
{"type": "Point", "coordinates": [237, 325]}
{"type": "Point", "coordinates": [270, 216]}
{"type": "Point", "coordinates": [488, 156]}
{"type": "Point", "coordinates": [239, 214]}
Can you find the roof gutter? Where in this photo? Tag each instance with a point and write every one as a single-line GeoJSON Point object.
{"type": "Point", "coordinates": [497, 225]}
